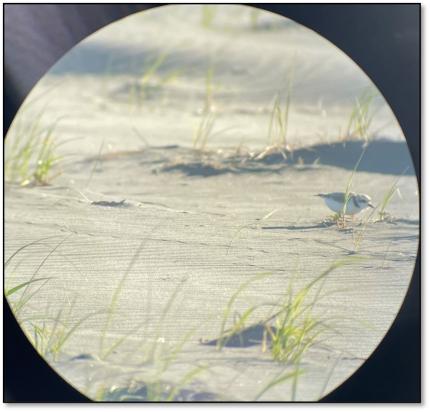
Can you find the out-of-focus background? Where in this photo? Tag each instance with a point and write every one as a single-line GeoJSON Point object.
{"type": "Point", "coordinates": [387, 51]}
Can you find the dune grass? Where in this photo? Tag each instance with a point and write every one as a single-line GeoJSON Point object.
{"type": "Point", "coordinates": [388, 196]}
{"type": "Point", "coordinates": [150, 80]}
{"type": "Point", "coordinates": [289, 332]}
{"type": "Point", "coordinates": [340, 217]}
{"type": "Point", "coordinates": [49, 334]}
{"type": "Point", "coordinates": [150, 72]}
{"type": "Point", "coordinates": [112, 308]}
{"type": "Point", "coordinates": [361, 117]}
{"type": "Point", "coordinates": [46, 333]}
{"type": "Point", "coordinates": [348, 188]}
{"type": "Point", "coordinates": [27, 293]}
{"type": "Point", "coordinates": [206, 124]}
{"type": "Point", "coordinates": [31, 153]}
{"type": "Point", "coordinates": [254, 15]}
{"type": "Point", "coordinates": [257, 224]}
{"type": "Point", "coordinates": [279, 379]}
{"type": "Point", "coordinates": [239, 323]}
{"type": "Point", "coordinates": [279, 119]}
{"type": "Point", "coordinates": [204, 131]}
{"type": "Point", "coordinates": [208, 15]}
{"type": "Point", "coordinates": [293, 328]}
{"type": "Point", "coordinates": [157, 359]}
{"type": "Point", "coordinates": [358, 234]}
{"type": "Point", "coordinates": [380, 210]}
{"type": "Point", "coordinates": [278, 125]}
{"type": "Point", "coordinates": [277, 136]}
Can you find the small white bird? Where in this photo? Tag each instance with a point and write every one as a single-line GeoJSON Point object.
{"type": "Point", "coordinates": [346, 204]}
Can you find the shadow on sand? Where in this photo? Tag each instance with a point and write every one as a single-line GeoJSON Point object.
{"type": "Point", "coordinates": [302, 227]}
{"type": "Point", "coordinates": [250, 336]}
{"type": "Point", "coordinates": [380, 156]}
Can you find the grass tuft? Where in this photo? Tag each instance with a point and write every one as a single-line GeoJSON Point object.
{"type": "Point", "coordinates": [150, 81]}
{"type": "Point", "coordinates": [361, 118]}
{"type": "Point", "coordinates": [278, 125]}
{"type": "Point", "coordinates": [205, 128]}
{"type": "Point", "coordinates": [226, 334]}
{"type": "Point", "coordinates": [279, 379]}
{"type": "Point", "coordinates": [208, 15]}
{"type": "Point", "coordinates": [339, 218]}
{"type": "Point", "coordinates": [388, 196]}
{"type": "Point", "coordinates": [31, 156]}
{"type": "Point", "coordinates": [254, 15]}
{"type": "Point", "coordinates": [293, 328]}
{"type": "Point", "coordinates": [289, 332]}
{"type": "Point", "coordinates": [51, 334]}
{"type": "Point", "coordinates": [277, 137]}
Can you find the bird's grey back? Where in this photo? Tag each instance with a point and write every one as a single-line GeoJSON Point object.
{"type": "Point", "coordinates": [337, 196]}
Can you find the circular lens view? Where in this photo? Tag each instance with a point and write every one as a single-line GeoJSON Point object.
{"type": "Point", "coordinates": [207, 203]}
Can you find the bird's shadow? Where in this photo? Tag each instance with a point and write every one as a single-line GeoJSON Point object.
{"type": "Point", "coordinates": [321, 225]}
{"type": "Point", "coordinates": [251, 336]}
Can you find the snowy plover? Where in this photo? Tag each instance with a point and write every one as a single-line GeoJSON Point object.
{"type": "Point", "coordinates": [348, 204]}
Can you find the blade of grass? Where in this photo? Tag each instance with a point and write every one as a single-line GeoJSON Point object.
{"type": "Point", "coordinates": [166, 310]}
{"type": "Point", "coordinates": [228, 308]}
{"type": "Point", "coordinates": [26, 246]}
{"type": "Point", "coordinates": [20, 286]}
{"type": "Point", "coordinates": [281, 378]}
{"type": "Point", "coordinates": [185, 380]}
{"type": "Point", "coordinates": [350, 180]}
{"type": "Point", "coordinates": [119, 287]}
{"type": "Point", "coordinates": [33, 276]}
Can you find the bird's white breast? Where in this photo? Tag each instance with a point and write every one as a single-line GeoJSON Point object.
{"type": "Point", "coordinates": [351, 208]}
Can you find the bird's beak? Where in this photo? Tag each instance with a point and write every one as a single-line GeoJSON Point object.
{"type": "Point", "coordinates": [370, 205]}
{"type": "Point", "coordinates": [320, 195]}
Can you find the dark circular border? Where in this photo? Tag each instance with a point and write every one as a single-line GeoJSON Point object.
{"type": "Point", "coordinates": [383, 39]}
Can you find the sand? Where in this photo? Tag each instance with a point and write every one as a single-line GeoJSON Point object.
{"type": "Point", "coordinates": [138, 210]}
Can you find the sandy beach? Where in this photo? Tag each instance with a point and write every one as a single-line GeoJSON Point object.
{"type": "Point", "coordinates": [152, 240]}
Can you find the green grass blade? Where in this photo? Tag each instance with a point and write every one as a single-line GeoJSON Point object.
{"type": "Point", "coordinates": [277, 381]}
{"type": "Point", "coordinates": [20, 286]}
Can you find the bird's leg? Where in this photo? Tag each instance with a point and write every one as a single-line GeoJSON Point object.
{"type": "Point", "coordinates": [341, 221]}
